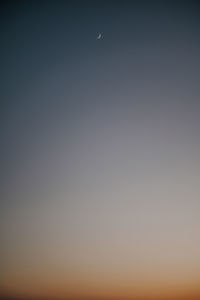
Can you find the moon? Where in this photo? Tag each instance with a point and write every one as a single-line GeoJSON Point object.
{"type": "Point", "coordinates": [99, 36]}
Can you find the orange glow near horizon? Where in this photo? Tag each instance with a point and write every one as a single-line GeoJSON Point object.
{"type": "Point", "coordinates": [103, 285]}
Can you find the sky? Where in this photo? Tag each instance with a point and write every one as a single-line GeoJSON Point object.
{"type": "Point", "coordinates": [100, 148]}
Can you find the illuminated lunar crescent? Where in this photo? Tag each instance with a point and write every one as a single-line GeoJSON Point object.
{"type": "Point", "coordinates": [99, 36]}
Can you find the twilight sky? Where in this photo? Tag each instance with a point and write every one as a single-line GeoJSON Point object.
{"type": "Point", "coordinates": [100, 149]}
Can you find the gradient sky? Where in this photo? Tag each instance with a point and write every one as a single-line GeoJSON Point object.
{"type": "Point", "coordinates": [100, 188]}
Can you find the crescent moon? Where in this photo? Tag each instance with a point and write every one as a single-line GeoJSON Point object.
{"type": "Point", "coordinates": [99, 36]}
